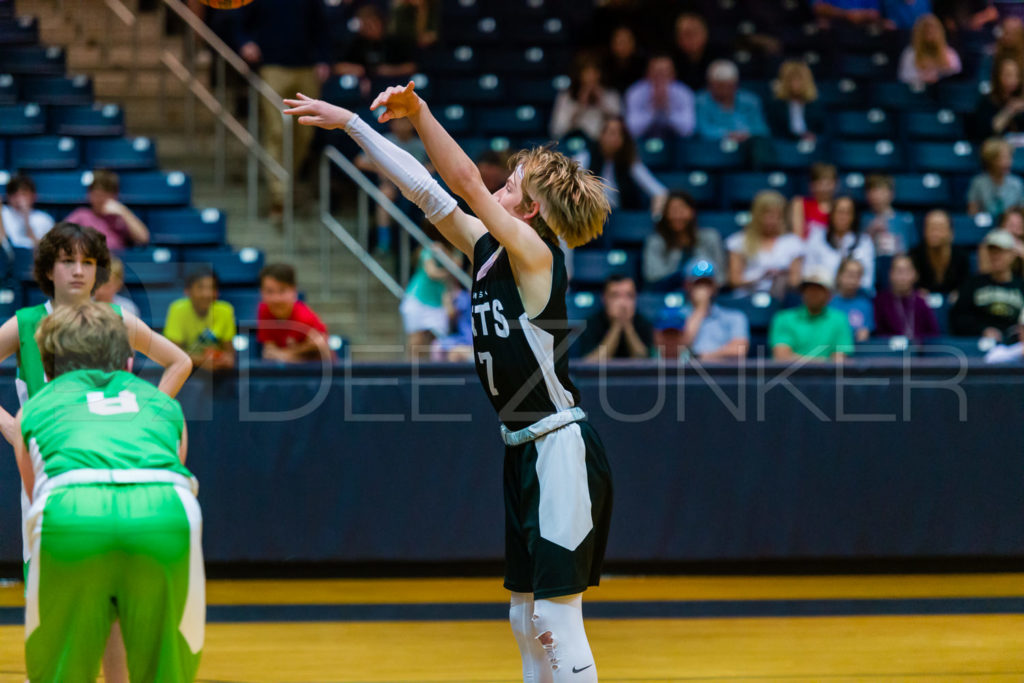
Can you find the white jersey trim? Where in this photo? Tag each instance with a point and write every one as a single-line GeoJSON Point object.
{"type": "Point", "coordinates": [542, 343]}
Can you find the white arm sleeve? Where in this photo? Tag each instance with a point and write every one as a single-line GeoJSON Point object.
{"type": "Point", "coordinates": [403, 170]}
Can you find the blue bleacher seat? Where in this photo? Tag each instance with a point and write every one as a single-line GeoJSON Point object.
{"type": "Point", "coordinates": [944, 157]}
{"type": "Point", "coordinates": [698, 184]}
{"type": "Point", "coordinates": [881, 155]}
{"type": "Point", "coordinates": [897, 95]}
{"type": "Point", "coordinates": [533, 60]}
{"type": "Point", "coordinates": [944, 124]}
{"type": "Point", "coordinates": [8, 89]}
{"type": "Point", "coordinates": [62, 188]}
{"type": "Point", "coordinates": [651, 304]}
{"type": "Point", "coordinates": [795, 155]}
{"type": "Point", "coordinates": [628, 228]}
{"type": "Point", "coordinates": [968, 231]}
{"type": "Point", "coordinates": [153, 303]}
{"type": "Point", "coordinates": [85, 121]}
{"type": "Point", "coordinates": [710, 154]}
{"type": "Point", "coordinates": [972, 347]}
{"type": "Point", "coordinates": [842, 93]}
{"type": "Point", "coordinates": [45, 153]}
{"type": "Point", "coordinates": [21, 31]}
{"type": "Point", "coordinates": [539, 91]}
{"type": "Point", "coordinates": [245, 301]}
{"type": "Point", "coordinates": [156, 188]}
{"type": "Point", "coordinates": [455, 118]}
{"type": "Point", "coordinates": [445, 61]}
{"type": "Point", "coordinates": [547, 31]}
{"type": "Point", "coordinates": [928, 190]}
{"type": "Point", "coordinates": [874, 66]}
{"type": "Point", "coordinates": [940, 306]}
{"type": "Point", "coordinates": [960, 96]}
{"type": "Point", "coordinates": [342, 91]}
{"type": "Point", "coordinates": [23, 263]}
{"type": "Point", "coordinates": [523, 120]}
{"type": "Point", "coordinates": [873, 123]}
{"type": "Point", "coordinates": [484, 89]}
{"type": "Point", "coordinates": [655, 153]}
{"type": "Point", "coordinates": [121, 154]}
{"type": "Point", "coordinates": [852, 185]}
{"type": "Point", "coordinates": [592, 268]}
{"type": "Point", "coordinates": [151, 267]}
{"type": "Point", "coordinates": [186, 226]}
{"type": "Point", "coordinates": [22, 119]}
{"type": "Point", "coordinates": [240, 267]}
{"type": "Point", "coordinates": [759, 308]}
{"type": "Point", "coordinates": [4, 175]}
{"type": "Point", "coordinates": [725, 222]}
{"type": "Point", "coordinates": [59, 90]}
{"type": "Point", "coordinates": [32, 60]}
{"type": "Point", "coordinates": [739, 189]}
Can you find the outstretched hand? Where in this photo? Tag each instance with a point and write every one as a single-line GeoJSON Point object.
{"type": "Point", "coordinates": [399, 102]}
{"type": "Point", "coordinates": [318, 113]}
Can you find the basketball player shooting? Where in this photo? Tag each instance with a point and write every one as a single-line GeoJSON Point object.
{"type": "Point", "coordinates": [557, 481]}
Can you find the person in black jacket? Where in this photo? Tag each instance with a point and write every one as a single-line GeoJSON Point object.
{"type": "Point", "coordinates": [794, 112]}
{"type": "Point", "coordinates": [1002, 110]}
{"type": "Point", "coordinates": [990, 305]}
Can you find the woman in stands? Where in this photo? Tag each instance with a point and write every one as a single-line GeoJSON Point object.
{"type": "Point", "coordinates": [557, 480]}
{"type": "Point", "coordinates": [71, 262]}
{"type": "Point", "coordinates": [676, 240]}
{"type": "Point", "coordinates": [794, 112]}
{"type": "Point", "coordinates": [584, 106]}
{"type": "Point", "coordinates": [629, 184]}
{"type": "Point", "coordinates": [764, 256]}
{"type": "Point", "coordinates": [902, 311]}
{"type": "Point", "coordinates": [941, 266]}
{"type": "Point", "coordinates": [1001, 112]}
{"type": "Point", "coordinates": [842, 239]}
{"type": "Point", "coordinates": [928, 59]}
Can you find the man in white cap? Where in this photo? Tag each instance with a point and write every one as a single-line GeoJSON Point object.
{"type": "Point", "coordinates": [989, 305]}
{"type": "Point", "coordinates": [725, 111]}
{"type": "Point", "coordinates": [812, 331]}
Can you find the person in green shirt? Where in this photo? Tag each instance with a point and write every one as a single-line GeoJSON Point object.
{"type": "Point", "coordinates": [201, 325]}
{"type": "Point", "coordinates": [114, 525]}
{"type": "Point", "coordinates": [71, 262]}
{"type": "Point", "coordinates": [812, 331]}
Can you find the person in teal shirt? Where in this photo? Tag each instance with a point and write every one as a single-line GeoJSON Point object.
{"type": "Point", "coordinates": [114, 525]}
{"type": "Point", "coordinates": [812, 331]}
{"type": "Point", "coordinates": [423, 313]}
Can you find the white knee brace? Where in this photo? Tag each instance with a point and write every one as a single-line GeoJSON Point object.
{"type": "Point", "coordinates": [535, 662]}
{"type": "Point", "coordinates": [558, 628]}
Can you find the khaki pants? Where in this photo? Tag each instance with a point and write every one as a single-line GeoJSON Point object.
{"type": "Point", "coordinates": [285, 81]}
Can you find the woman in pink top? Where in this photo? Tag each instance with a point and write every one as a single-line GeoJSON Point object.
{"type": "Point", "coordinates": [928, 58]}
{"type": "Point", "coordinates": [109, 217]}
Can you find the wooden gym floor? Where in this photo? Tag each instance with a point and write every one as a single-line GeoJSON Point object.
{"type": "Point", "coordinates": [835, 629]}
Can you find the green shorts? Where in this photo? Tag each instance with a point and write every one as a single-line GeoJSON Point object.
{"type": "Point", "coordinates": [102, 552]}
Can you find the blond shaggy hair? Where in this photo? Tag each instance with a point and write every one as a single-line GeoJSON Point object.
{"type": "Point", "coordinates": [781, 87]}
{"type": "Point", "coordinates": [573, 203]}
{"type": "Point", "coordinates": [764, 201]}
{"type": "Point", "coordinates": [87, 337]}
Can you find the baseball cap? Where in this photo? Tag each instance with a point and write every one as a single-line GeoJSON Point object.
{"type": "Point", "coordinates": [999, 238]}
{"type": "Point", "coordinates": [670, 318]}
{"type": "Point", "coordinates": [699, 269]}
{"type": "Point", "coordinates": [816, 275]}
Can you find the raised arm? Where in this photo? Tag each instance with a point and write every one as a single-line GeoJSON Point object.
{"type": "Point", "coordinates": [398, 166]}
{"type": "Point", "coordinates": [176, 363]}
{"type": "Point", "coordinates": [525, 247]}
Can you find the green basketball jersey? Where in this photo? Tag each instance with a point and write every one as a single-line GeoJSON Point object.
{"type": "Point", "coordinates": [30, 362]}
{"type": "Point", "coordinates": [90, 419]}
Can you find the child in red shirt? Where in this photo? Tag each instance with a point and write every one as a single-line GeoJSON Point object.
{"type": "Point", "coordinates": [288, 329]}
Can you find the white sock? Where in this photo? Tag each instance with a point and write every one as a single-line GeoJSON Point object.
{"type": "Point", "coordinates": [535, 662]}
{"type": "Point", "coordinates": [558, 625]}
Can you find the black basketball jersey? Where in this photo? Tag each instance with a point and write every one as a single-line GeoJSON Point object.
{"type": "Point", "coordinates": [523, 363]}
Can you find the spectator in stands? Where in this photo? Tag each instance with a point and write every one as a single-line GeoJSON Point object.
{"type": "Point", "coordinates": [624, 63]}
{"type": "Point", "coordinates": [812, 331]}
{"type": "Point", "coordinates": [110, 291]}
{"type": "Point", "coordinates": [23, 224]}
{"type": "Point", "coordinates": [628, 182]}
{"type": "Point", "coordinates": [905, 13]}
{"type": "Point", "coordinates": [404, 136]}
{"type": "Point", "coordinates": [287, 40]}
{"type": "Point", "coordinates": [891, 231]}
{"type": "Point", "coordinates": [691, 53]}
{"type": "Point", "coordinates": [1001, 111]}
{"type": "Point", "coordinates": [941, 266]}
{"type": "Point", "coordinates": [851, 301]}
{"type": "Point", "coordinates": [765, 257]}
{"type": "Point", "coordinates": [807, 212]}
{"type": "Point", "coordinates": [493, 167]}
{"type": "Point", "coordinates": [989, 305]}
{"type": "Point", "coordinates": [677, 240]}
{"type": "Point", "coordinates": [901, 311]}
{"type": "Point", "coordinates": [928, 59]}
{"type": "Point", "coordinates": [726, 112]}
{"type": "Point", "coordinates": [416, 21]}
{"type": "Point", "coordinates": [1010, 42]}
{"type": "Point", "coordinates": [423, 312]}
{"type": "Point", "coordinates": [965, 15]}
{"type": "Point", "coordinates": [865, 13]}
{"type": "Point", "coordinates": [794, 112]}
{"type": "Point", "coordinates": [659, 105]}
{"type": "Point", "coordinates": [703, 328]}
{"type": "Point", "coordinates": [109, 217]}
{"type": "Point", "coordinates": [841, 240]}
{"type": "Point", "coordinates": [202, 326]}
{"type": "Point", "coordinates": [1013, 223]}
{"type": "Point", "coordinates": [995, 190]}
{"type": "Point", "coordinates": [617, 330]}
{"type": "Point", "coordinates": [585, 105]}
{"type": "Point", "coordinates": [288, 329]}
{"type": "Point", "coordinates": [457, 345]}
{"type": "Point", "coordinates": [373, 53]}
